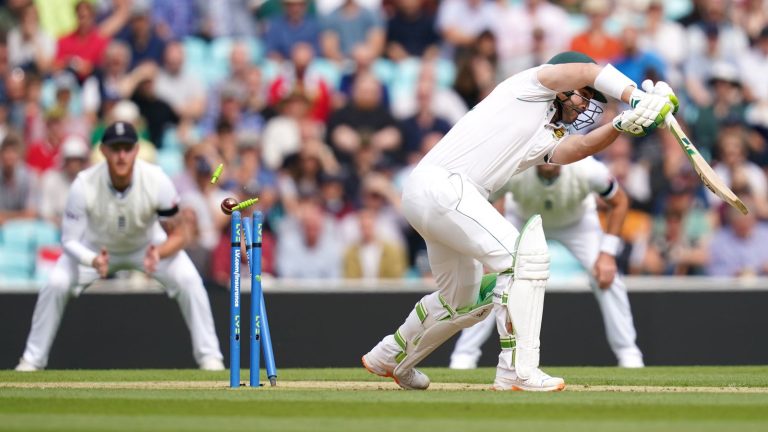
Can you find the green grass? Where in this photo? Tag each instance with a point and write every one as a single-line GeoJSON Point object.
{"type": "Point", "coordinates": [223, 409]}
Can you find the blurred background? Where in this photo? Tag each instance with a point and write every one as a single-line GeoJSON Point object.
{"type": "Point", "coordinates": [321, 108]}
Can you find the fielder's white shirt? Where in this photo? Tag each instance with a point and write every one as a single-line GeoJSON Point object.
{"type": "Point", "coordinates": [503, 135]}
{"type": "Point", "coordinates": [564, 201]}
{"type": "Point", "coordinates": [98, 216]}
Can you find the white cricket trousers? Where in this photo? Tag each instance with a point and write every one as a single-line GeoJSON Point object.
{"type": "Point", "coordinates": [177, 274]}
{"type": "Point", "coordinates": [583, 241]}
{"type": "Point", "coordinates": [462, 230]}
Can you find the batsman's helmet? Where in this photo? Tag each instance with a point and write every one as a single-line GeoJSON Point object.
{"type": "Point", "coordinates": [588, 117]}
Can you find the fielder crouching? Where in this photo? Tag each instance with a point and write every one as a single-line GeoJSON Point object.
{"type": "Point", "coordinates": [522, 123]}
{"type": "Point", "coordinates": [122, 214]}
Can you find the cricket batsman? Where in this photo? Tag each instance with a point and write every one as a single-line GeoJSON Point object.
{"type": "Point", "coordinates": [520, 124]}
{"type": "Point", "coordinates": [564, 196]}
{"type": "Point", "coordinates": [122, 214]}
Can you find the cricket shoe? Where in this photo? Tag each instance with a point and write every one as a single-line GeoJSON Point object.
{"type": "Point", "coordinates": [463, 361]}
{"type": "Point", "coordinates": [410, 379]}
{"type": "Point", "coordinates": [538, 381]}
{"type": "Point", "coordinates": [25, 366]}
{"type": "Point", "coordinates": [212, 364]}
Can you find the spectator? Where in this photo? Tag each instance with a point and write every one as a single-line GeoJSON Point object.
{"type": "Point", "coordinates": [679, 242]}
{"type": "Point", "coordinates": [411, 32]}
{"type": "Point", "coordinates": [459, 22]}
{"type": "Point", "coordinates": [739, 173]}
{"type": "Point", "coordinates": [363, 123]}
{"type": "Point", "coordinates": [227, 18]}
{"type": "Point", "coordinates": [17, 185]}
{"type": "Point", "coordinates": [754, 68]}
{"type": "Point", "coordinates": [372, 258]}
{"type": "Point", "coordinates": [55, 183]}
{"type": "Point", "coordinates": [232, 109]}
{"type": "Point", "coordinates": [146, 45]}
{"type": "Point", "coordinates": [114, 79]}
{"type": "Point", "coordinates": [596, 42]}
{"type": "Point", "coordinates": [637, 63]}
{"type": "Point", "coordinates": [348, 26]}
{"type": "Point", "coordinates": [333, 196]}
{"type": "Point", "coordinates": [81, 50]}
{"type": "Point", "coordinates": [714, 23]}
{"type": "Point", "coordinates": [445, 103]}
{"type": "Point", "coordinates": [364, 60]}
{"type": "Point", "coordinates": [738, 247]}
{"type": "Point", "coordinates": [298, 77]}
{"type": "Point", "coordinates": [302, 172]}
{"type": "Point", "coordinates": [476, 76]}
{"type": "Point", "coordinates": [666, 38]}
{"type": "Point", "coordinates": [529, 33]}
{"type": "Point", "coordinates": [750, 16]}
{"type": "Point", "coordinates": [182, 90]}
{"type": "Point", "coordinates": [291, 26]}
{"type": "Point", "coordinates": [44, 154]}
{"type": "Point", "coordinates": [29, 46]}
{"type": "Point", "coordinates": [307, 244]}
{"type": "Point", "coordinates": [158, 113]}
{"type": "Point", "coordinates": [378, 196]}
{"type": "Point", "coordinates": [726, 106]}
{"type": "Point", "coordinates": [176, 19]}
{"type": "Point", "coordinates": [423, 123]}
{"type": "Point", "coordinates": [282, 133]}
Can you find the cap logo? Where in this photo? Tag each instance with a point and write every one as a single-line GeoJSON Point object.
{"type": "Point", "coordinates": [120, 128]}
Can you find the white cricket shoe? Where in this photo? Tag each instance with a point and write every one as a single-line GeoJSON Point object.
{"type": "Point", "coordinates": [538, 381]}
{"type": "Point", "coordinates": [632, 362]}
{"type": "Point", "coordinates": [212, 364]}
{"type": "Point", "coordinates": [25, 366]}
{"type": "Point", "coordinates": [463, 361]}
{"type": "Point", "coordinates": [410, 379]}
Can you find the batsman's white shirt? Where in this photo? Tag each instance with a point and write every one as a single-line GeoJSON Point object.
{"type": "Point", "coordinates": [569, 214]}
{"type": "Point", "coordinates": [506, 133]}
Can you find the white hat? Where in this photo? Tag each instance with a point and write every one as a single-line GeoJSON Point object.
{"type": "Point", "coordinates": [74, 147]}
{"type": "Point", "coordinates": [126, 111]}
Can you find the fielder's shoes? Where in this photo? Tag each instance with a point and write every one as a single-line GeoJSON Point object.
{"type": "Point", "coordinates": [410, 379]}
{"type": "Point", "coordinates": [25, 366]}
{"type": "Point", "coordinates": [632, 362]}
{"type": "Point", "coordinates": [463, 361]}
{"type": "Point", "coordinates": [538, 381]}
{"type": "Point", "coordinates": [212, 364]}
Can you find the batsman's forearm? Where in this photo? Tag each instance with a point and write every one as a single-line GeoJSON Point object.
{"type": "Point", "coordinates": [577, 147]}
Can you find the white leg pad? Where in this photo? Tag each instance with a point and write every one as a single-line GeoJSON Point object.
{"type": "Point", "coordinates": [525, 299]}
{"type": "Point", "coordinates": [432, 322]}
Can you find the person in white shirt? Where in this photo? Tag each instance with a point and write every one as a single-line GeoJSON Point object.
{"type": "Point", "coordinates": [122, 214]}
{"type": "Point", "coordinates": [520, 124]}
{"type": "Point", "coordinates": [565, 198]}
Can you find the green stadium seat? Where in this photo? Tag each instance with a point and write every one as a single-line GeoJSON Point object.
{"type": "Point", "coordinates": [171, 161]}
{"type": "Point", "coordinates": [15, 263]}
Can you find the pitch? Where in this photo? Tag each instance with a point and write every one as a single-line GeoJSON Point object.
{"type": "Point", "coordinates": [596, 399]}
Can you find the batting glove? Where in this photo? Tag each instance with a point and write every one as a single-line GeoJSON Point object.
{"type": "Point", "coordinates": [627, 122]}
{"type": "Point", "coordinates": [662, 89]}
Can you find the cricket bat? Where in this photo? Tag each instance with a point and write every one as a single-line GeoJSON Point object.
{"type": "Point", "coordinates": [708, 176]}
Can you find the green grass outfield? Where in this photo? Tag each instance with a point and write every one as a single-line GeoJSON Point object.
{"type": "Point", "coordinates": [598, 399]}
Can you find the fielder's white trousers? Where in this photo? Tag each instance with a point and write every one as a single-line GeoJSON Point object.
{"type": "Point", "coordinates": [583, 241]}
{"type": "Point", "coordinates": [176, 273]}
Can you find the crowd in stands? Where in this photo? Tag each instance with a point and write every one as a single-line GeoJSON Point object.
{"type": "Point", "coordinates": [321, 108]}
